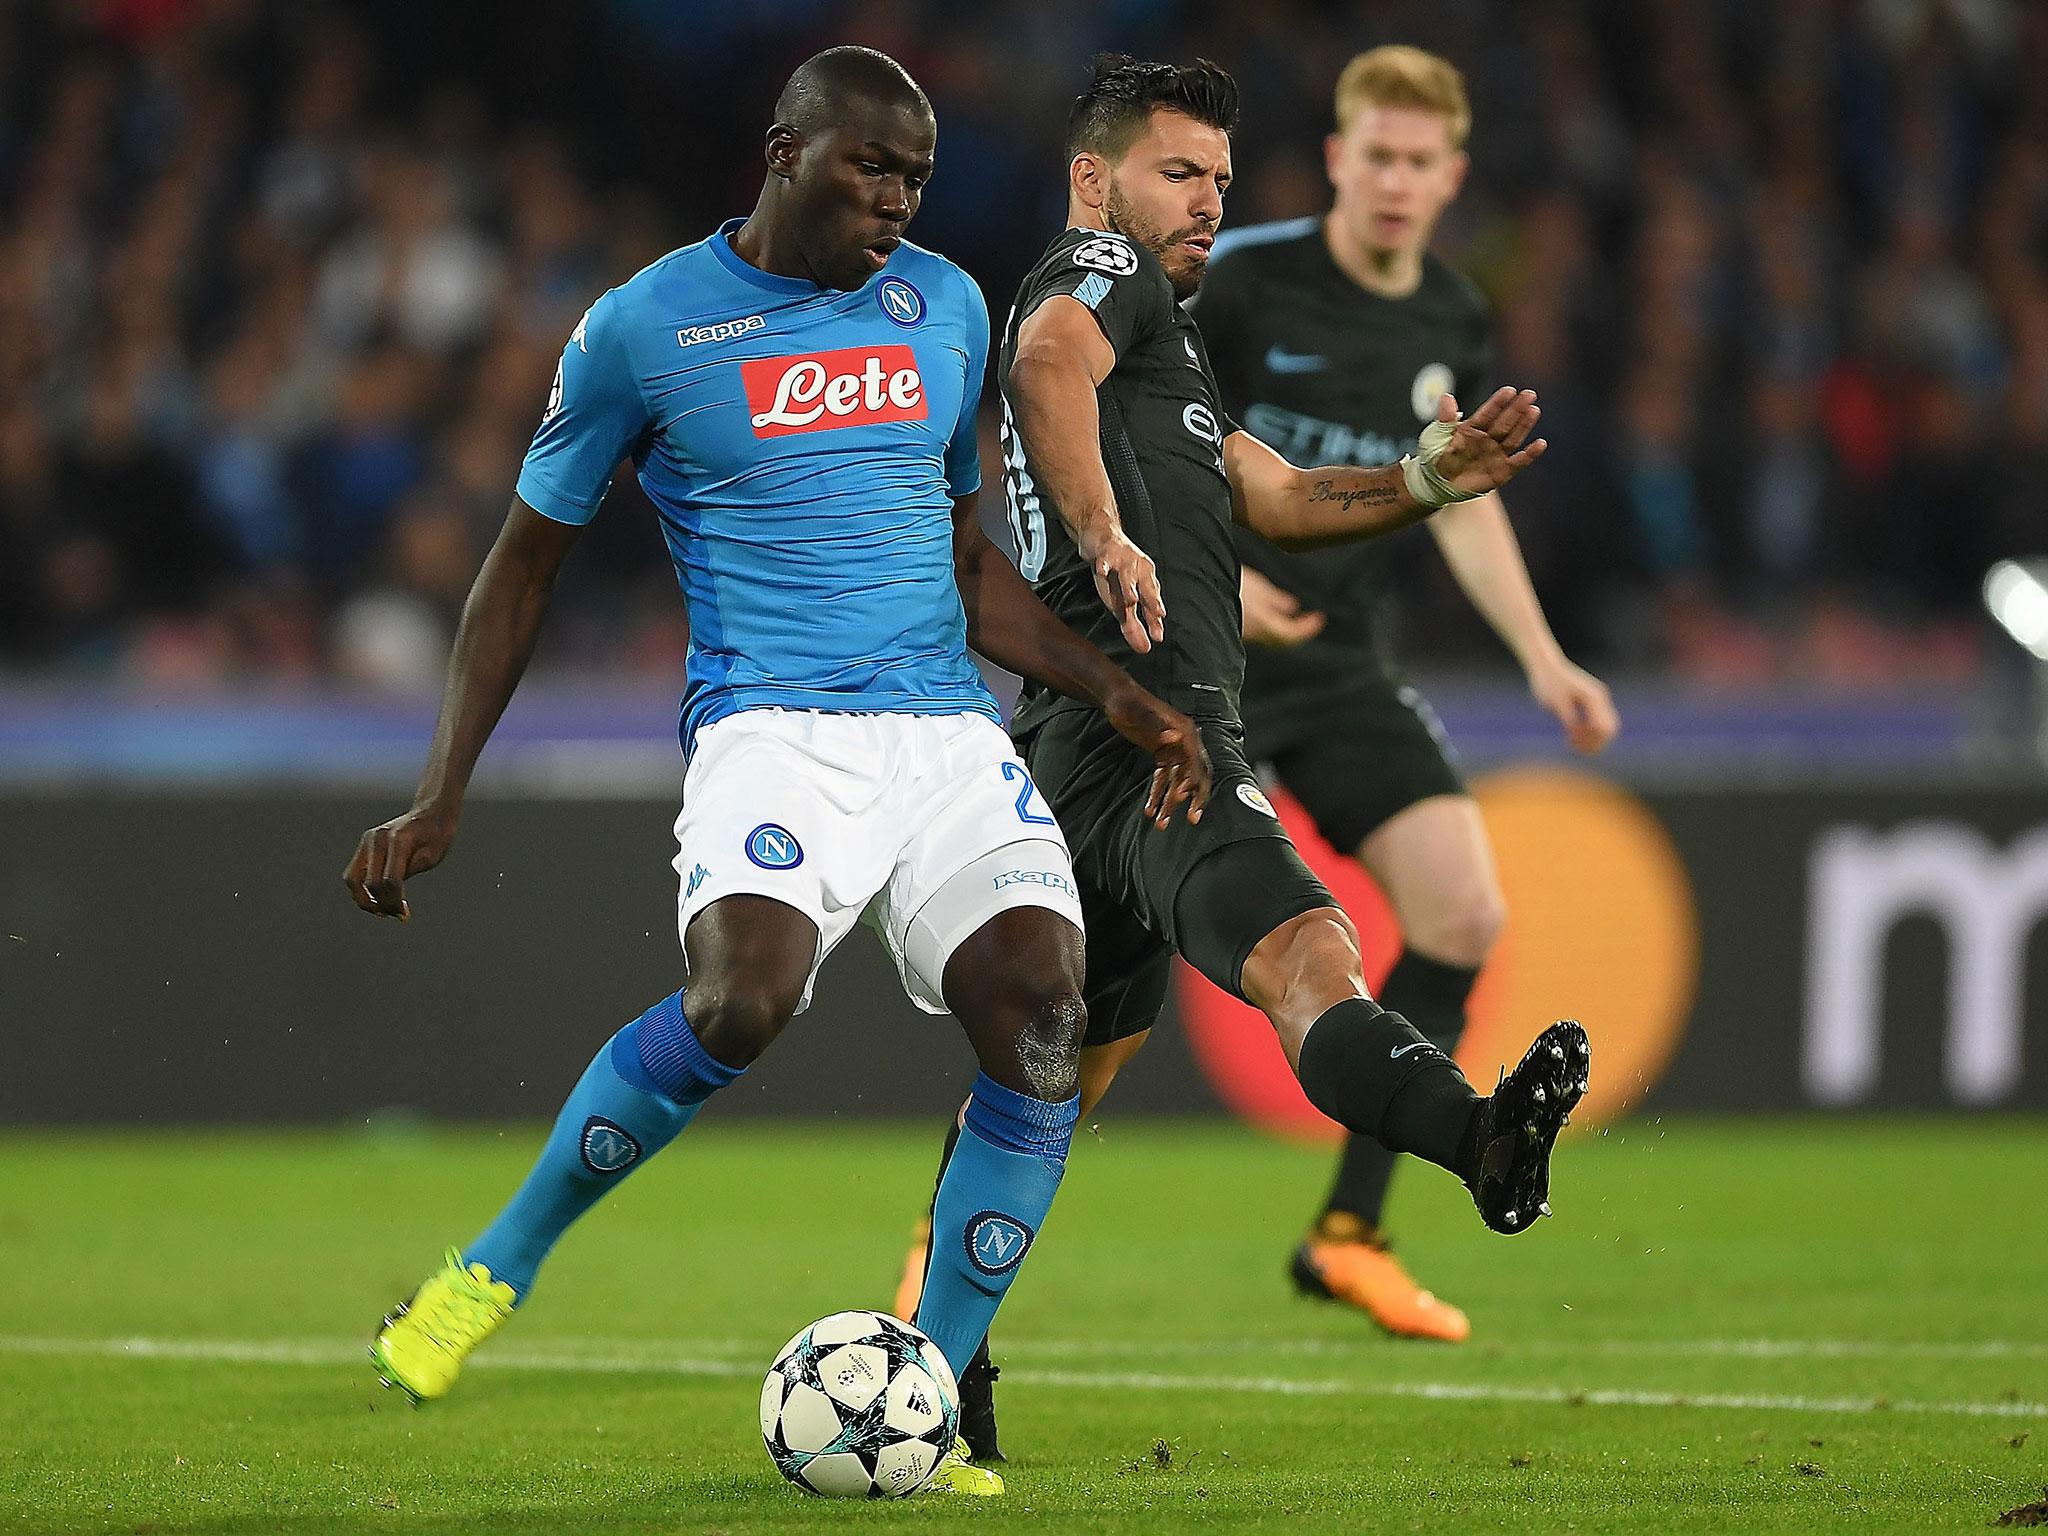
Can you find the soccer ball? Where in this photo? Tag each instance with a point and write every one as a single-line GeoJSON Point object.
{"type": "Point", "coordinates": [859, 1406]}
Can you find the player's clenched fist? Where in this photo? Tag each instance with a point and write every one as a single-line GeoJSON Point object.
{"type": "Point", "coordinates": [391, 854]}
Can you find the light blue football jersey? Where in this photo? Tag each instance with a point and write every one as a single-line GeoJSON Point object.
{"type": "Point", "coordinates": [803, 446]}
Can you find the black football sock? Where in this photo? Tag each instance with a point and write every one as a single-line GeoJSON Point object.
{"type": "Point", "coordinates": [1376, 1075]}
{"type": "Point", "coordinates": [1431, 994]}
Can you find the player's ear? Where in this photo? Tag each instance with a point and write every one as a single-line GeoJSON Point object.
{"type": "Point", "coordinates": [1333, 156]}
{"type": "Point", "coordinates": [785, 144]}
{"type": "Point", "coordinates": [1088, 180]}
{"type": "Point", "coordinates": [1460, 164]}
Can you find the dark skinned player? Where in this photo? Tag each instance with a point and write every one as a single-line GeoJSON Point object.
{"type": "Point", "coordinates": [798, 394]}
{"type": "Point", "coordinates": [1126, 482]}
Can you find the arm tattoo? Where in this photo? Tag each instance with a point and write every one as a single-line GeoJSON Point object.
{"type": "Point", "coordinates": [1366, 495]}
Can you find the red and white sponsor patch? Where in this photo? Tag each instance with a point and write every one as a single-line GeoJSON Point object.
{"type": "Point", "coordinates": [821, 391]}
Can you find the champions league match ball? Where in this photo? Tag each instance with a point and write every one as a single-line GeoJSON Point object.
{"type": "Point", "coordinates": [859, 1406]}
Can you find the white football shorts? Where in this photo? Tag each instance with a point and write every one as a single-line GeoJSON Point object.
{"type": "Point", "coordinates": [926, 826]}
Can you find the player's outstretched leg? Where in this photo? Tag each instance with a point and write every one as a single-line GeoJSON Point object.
{"type": "Point", "coordinates": [1375, 1074]}
{"type": "Point", "coordinates": [1015, 986]}
{"type": "Point", "coordinates": [749, 958]}
{"type": "Point", "coordinates": [1346, 1256]}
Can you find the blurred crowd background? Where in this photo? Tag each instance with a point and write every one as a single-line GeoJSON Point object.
{"type": "Point", "coordinates": [282, 284]}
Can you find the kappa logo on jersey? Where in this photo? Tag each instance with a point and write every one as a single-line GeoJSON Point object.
{"type": "Point", "coordinates": [1430, 386]}
{"type": "Point", "coordinates": [608, 1148]}
{"type": "Point", "coordinates": [822, 391]}
{"type": "Point", "coordinates": [774, 847]}
{"type": "Point", "coordinates": [900, 302]}
{"type": "Point", "coordinates": [554, 396]}
{"type": "Point", "coordinates": [725, 330]}
{"type": "Point", "coordinates": [996, 1243]}
{"type": "Point", "coordinates": [1255, 797]}
{"type": "Point", "coordinates": [1107, 253]}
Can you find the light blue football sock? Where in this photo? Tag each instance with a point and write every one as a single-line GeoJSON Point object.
{"type": "Point", "coordinates": [991, 1202]}
{"type": "Point", "coordinates": [644, 1085]}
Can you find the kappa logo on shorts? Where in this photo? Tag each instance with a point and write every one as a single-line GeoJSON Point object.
{"type": "Point", "coordinates": [1050, 878]}
{"type": "Point", "coordinates": [996, 1243]}
{"type": "Point", "coordinates": [608, 1148]}
{"type": "Point", "coordinates": [697, 877]}
{"type": "Point", "coordinates": [1255, 797]}
{"type": "Point", "coordinates": [774, 847]}
{"type": "Point", "coordinates": [1107, 253]}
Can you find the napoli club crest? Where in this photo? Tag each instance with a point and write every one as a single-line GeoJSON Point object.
{"type": "Point", "coordinates": [996, 1243]}
{"type": "Point", "coordinates": [608, 1148]}
{"type": "Point", "coordinates": [900, 302]}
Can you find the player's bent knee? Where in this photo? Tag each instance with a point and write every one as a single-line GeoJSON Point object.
{"type": "Point", "coordinates": [1048, 1047]}
{"type": "Point", "coordinates": [1462, 931]}
{"type": "Point", "coordinates": [1305, 950]}
{"type": "Point", "coordinates": [737, 1020]}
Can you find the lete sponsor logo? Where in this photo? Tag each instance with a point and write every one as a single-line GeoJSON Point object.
{"type": "Point", "coordinates": [822, 391]}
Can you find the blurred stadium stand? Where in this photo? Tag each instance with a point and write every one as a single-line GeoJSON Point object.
{"type": "Point", "coordinates": [281, 286]}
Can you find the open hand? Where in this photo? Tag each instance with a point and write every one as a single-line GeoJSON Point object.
{"type": "Point", "coordinates": [393, 853]}
{"type": "Point", "coordinates": [1490, 447]}
{"type": "Point", "coordinates": [1127, 583]}
{"type": "Point", "coordinates": [1181, 771]}
{"type": "Point", "coordinates": [1272, 615]}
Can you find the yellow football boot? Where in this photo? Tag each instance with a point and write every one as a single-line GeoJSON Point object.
{"type": "Point", "coordinates": [910, 1289]}
{"type": "Point", "coordinates": [956, 1474]}
{"type": "Point", "coordinates": [423, 1343]}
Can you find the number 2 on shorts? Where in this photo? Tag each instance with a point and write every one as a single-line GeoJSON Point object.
{"type": "Point", "coordinates": [1030, 818]}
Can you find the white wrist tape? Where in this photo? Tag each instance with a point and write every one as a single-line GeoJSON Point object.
{"type": "Point", "coordinates": [1418, 469]}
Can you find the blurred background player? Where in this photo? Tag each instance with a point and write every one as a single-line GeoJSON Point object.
{"type": "Point", "coordinates": [1333, 338]}
{"type": "Point", "coordinates": [798, 393]}
{"type": "Point", "coordinates": [1125, 479]}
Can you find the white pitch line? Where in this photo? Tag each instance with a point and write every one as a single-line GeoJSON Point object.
{"type": "Point", "coordinates": [323, 1353]}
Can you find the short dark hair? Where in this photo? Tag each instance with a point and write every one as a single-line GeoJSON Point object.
{"type": "Point", "coordinates": [818, 93]}
{"type": "Point", "coordinates": [1123, 93]}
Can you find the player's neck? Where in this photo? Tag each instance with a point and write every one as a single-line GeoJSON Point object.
{"type": "Point", "coordinates": [765, 242]}
{"type": "Point", "coordinates": [1392, 274]}
{"type": "Point", "coordinates": [1081, 216]}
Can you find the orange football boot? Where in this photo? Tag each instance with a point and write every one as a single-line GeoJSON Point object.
{"type": "Point", "coordinates": [910, 1289]}
{"type": "Point", "coordinates": [1343, 1259]}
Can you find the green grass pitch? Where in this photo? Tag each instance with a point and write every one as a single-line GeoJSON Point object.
{"type": "Point", "coordinates": [1796, 1325]}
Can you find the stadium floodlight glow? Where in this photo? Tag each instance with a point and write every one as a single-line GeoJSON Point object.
{"type": "Point", "coordinates": [2016, 595]}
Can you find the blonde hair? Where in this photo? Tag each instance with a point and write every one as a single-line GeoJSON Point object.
{"type": "Point", "coordinates": [1400, 76]}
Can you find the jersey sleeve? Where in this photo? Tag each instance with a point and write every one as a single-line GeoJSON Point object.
{"type": "Point", "coordinates": [595, 415]}
{"type": "Point", "coordinates": [963, 450]}
{"type": "Point", "coordinates": [1128, 295]}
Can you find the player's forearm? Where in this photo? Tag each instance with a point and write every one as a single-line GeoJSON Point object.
{"type": "Point", "coordinates": [1007, 623]}
{"type": "Point", "coordinates": [1478, 544]}
{"type": "Point", "coordinates": [500, 626]}
{"type": "Point", "coordinates": [1054, 400]}
{"type": "Point", "coordinates": [1336, 504]}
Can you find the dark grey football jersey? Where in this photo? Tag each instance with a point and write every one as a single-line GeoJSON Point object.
{"type": "Point", "coordinates": [1162, 436]}
{"type": "Point", "coordinates": [1326, 372]}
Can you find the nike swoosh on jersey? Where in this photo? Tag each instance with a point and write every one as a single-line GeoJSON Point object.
{"type": "Point", "coordinates": [1280, 360]}
{"type": "Point", "coordinates": [1414, 1045]}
